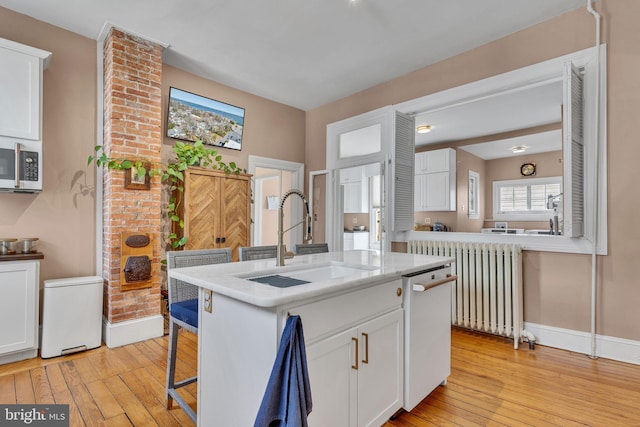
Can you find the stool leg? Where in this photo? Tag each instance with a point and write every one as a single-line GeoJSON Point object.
{"type": "Point", "coordinates": [171, 361]}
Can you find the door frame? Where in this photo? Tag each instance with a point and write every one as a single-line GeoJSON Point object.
{"type": "Point", "coordinates": [312, 175]}
{"type": "Point", "coordinates": [297, 180]}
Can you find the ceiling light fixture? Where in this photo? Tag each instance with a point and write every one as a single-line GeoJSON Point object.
{"type": "Point", "coordinates": [519, 149]}
{"type": "Point", "coordinates": [423, 129]}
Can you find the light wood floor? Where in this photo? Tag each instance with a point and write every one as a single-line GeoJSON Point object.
{"type": "Point", "coordinates": [490, 385]}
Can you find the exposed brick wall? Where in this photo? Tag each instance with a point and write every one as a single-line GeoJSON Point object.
{"type": "Point", "coordinates": [132, 129]}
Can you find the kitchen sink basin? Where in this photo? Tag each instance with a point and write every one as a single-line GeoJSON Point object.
{"type": "Point", "coordinates": [317, 273]}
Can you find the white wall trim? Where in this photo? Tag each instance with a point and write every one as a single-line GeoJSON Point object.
{"type": "Point", "coordinates": [532, 76]}
{"type": "Point", "coordinates": [131, 331]}
{"type": "Point", "coordinates": [312, 175]}
{"type": "Point", "coordinates": [619, 349]}
{"type": "Point", "coordinates": [297, 181]}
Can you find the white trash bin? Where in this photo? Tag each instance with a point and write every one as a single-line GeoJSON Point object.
{"type": "Point", "coordinates": [71, 315]}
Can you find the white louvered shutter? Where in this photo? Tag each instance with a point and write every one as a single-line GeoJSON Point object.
{"type": "Point", "coordinates": [403, 172]}
{"type": "Point", "coordinates": [572, 128]}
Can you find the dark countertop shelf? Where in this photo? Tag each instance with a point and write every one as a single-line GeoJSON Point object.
{"type": "Point", "coordinates": [22, 257]}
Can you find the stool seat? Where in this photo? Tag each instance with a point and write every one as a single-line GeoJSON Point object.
{"type": "Point", "coordinates": [185, 311]}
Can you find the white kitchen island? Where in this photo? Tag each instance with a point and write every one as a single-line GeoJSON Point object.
{"type": "Point", "coordinates": [354, 327]}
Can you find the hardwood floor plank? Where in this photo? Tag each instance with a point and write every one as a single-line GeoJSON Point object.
{"type": "Point", "coordinates": [527, 396]}
{"type": "Point", "coordinates": [41, 387]}
{"type": "Point", "coordinates": [106, 402]}
{"type": "Point", "coordinates": [87, 370]}
{"type": "Point", "coordinates": [135, 410]}
{"type": "Point", "coordinates": [24, 387]}
{"type": "Point", "coordinates": [156, 407]}
{"type": "Point", "coordinates": [8, 389]}
{"type": "Point", "coordinates": [86, 405]}
{"type": "Point", "coordinates": [62, 394]}
{"type": "Point", "coordinates": [410, 420]}
{"type": "Point", "coordinates": [118, 421]}
{"type": "Point", "coordinates": [157, 387]}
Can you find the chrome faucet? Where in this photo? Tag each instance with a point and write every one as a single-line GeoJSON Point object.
{"type": "Point", "coordinates": [553, 203]}
{"type": "Point", "coordinates": [281, 252]}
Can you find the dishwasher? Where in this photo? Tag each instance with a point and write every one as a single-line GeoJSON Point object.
{"type": "Point", "coordinates": [427, 339]}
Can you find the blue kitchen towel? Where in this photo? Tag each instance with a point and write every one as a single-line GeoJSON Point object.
{"type": "Point", "coordinates": [287, 399]}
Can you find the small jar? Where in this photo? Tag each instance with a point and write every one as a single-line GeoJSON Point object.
{"type": "Point", "coordinates": [28, 244]}
{"type": "Point", "coordinates": [6, 246]}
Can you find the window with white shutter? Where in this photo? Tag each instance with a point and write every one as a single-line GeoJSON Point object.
{"type": "Point", "coordinates": [526, 200]}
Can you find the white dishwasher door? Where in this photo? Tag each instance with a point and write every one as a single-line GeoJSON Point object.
{"type": "Point", "coordinates": [427, 337]}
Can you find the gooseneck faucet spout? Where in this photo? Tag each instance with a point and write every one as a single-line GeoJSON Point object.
{"type": "Point", "coordinates": [281, 231]}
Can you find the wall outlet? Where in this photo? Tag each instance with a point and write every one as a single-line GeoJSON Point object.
{"type": "Point", "coordinates": [355, 220]}
{"type": "Point", "coordinates": [427, 220]}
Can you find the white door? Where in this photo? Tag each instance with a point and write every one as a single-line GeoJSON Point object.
{"type": "Point", "coordinates": [332, 366]}
{"type": "Point", "coordinates": [380, 391]}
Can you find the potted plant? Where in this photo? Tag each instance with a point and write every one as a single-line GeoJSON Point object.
{"type": "Point", "coordinates": [186, 155]}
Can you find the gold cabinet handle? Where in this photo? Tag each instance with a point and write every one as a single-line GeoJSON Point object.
{"type": "Point", "coordinates": [366, 348]}
{"type": "Point", "coordinates": [356, 365]}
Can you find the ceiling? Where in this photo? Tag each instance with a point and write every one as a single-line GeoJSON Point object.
{"type": "Point", "coordinates": [535, 143]}
{"type": "Point", "coordinates": [301, 53]}
{"type": "Point", "coordinates": [506, 112]}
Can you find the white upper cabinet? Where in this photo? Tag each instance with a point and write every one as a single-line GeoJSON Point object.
{"type": "Point", "coordinates": [21, 87]}
{"type": "Point", "coordinates": [435, 180]}
{"type": "Point", "coordinates": [356, 190]}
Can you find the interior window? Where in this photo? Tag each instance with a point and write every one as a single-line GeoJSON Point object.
{"type": "Point", "coordinates": [360, 142]}
{"type": "Point", "coordinates": [533, 199]}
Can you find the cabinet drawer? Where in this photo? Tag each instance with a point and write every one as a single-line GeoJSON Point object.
{"type": "Point", "coordinates": [342, 311]}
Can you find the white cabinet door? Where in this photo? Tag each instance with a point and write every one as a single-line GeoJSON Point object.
{"type": "Point", "coordinates": [347, 242]}
{"type": "Point", "coordinates": [20, 100]}
{"type": "Point", "coordinates": [333, 378]}
{"type": "Point", "coordinates": [432, 192]}
{"type": "Point", "coordinates": [433, 161]}
{"type": "Point", "coordinates": [435, 181]}
{"type": "Point", "coordinates": [18, 306]}
{"type": "Point", "coordinates": [361, 240]}
{"type": "Point", "coordinates": [353, 197]}
{"type": "Point", "coordinates": [437, 192]}
{"type": "Point", "coordinates": [380, 386]}
{"type": "Point", "coordinates": [358, 388]}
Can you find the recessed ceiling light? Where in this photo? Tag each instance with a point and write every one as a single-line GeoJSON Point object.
{"type": "Point", "coordinates": [423, 129]}
{"type": "Point", "coordinates": [519, 149]}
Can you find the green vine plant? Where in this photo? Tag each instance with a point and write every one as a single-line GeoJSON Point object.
{"type": "Point", "coordinates": [187, 155]}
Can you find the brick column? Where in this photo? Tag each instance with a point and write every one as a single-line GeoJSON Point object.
{"type": "Point", "coordinates": [132, 129]}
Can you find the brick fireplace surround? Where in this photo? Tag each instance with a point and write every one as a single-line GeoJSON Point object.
{"type": "Point", "coordinates": [132, 129]}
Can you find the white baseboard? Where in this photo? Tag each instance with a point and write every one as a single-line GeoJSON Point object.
{"type": "Point", "coordinates": [130, 331]}
{"type": "Point", "coordinates": [19, 355]}
{"type": "Point", "coordinates": [607, 347]}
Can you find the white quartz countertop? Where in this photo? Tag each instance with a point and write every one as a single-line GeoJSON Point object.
{"type": "Point", "coordinates": [366, 267]}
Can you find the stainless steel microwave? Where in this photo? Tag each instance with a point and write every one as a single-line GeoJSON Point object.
{"type": "Point", "coordinates": [20, 165]}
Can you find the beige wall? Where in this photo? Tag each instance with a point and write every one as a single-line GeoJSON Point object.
{"type": "Point", "coordinates": [63, 215]}
{"type": "Point", "coordinates": [270, 129]}
{"type": "Point", "coordinates": [557, 286]}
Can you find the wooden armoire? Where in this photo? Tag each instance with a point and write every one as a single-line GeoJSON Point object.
{"type": "Point", "coordinates": [216, 209]}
